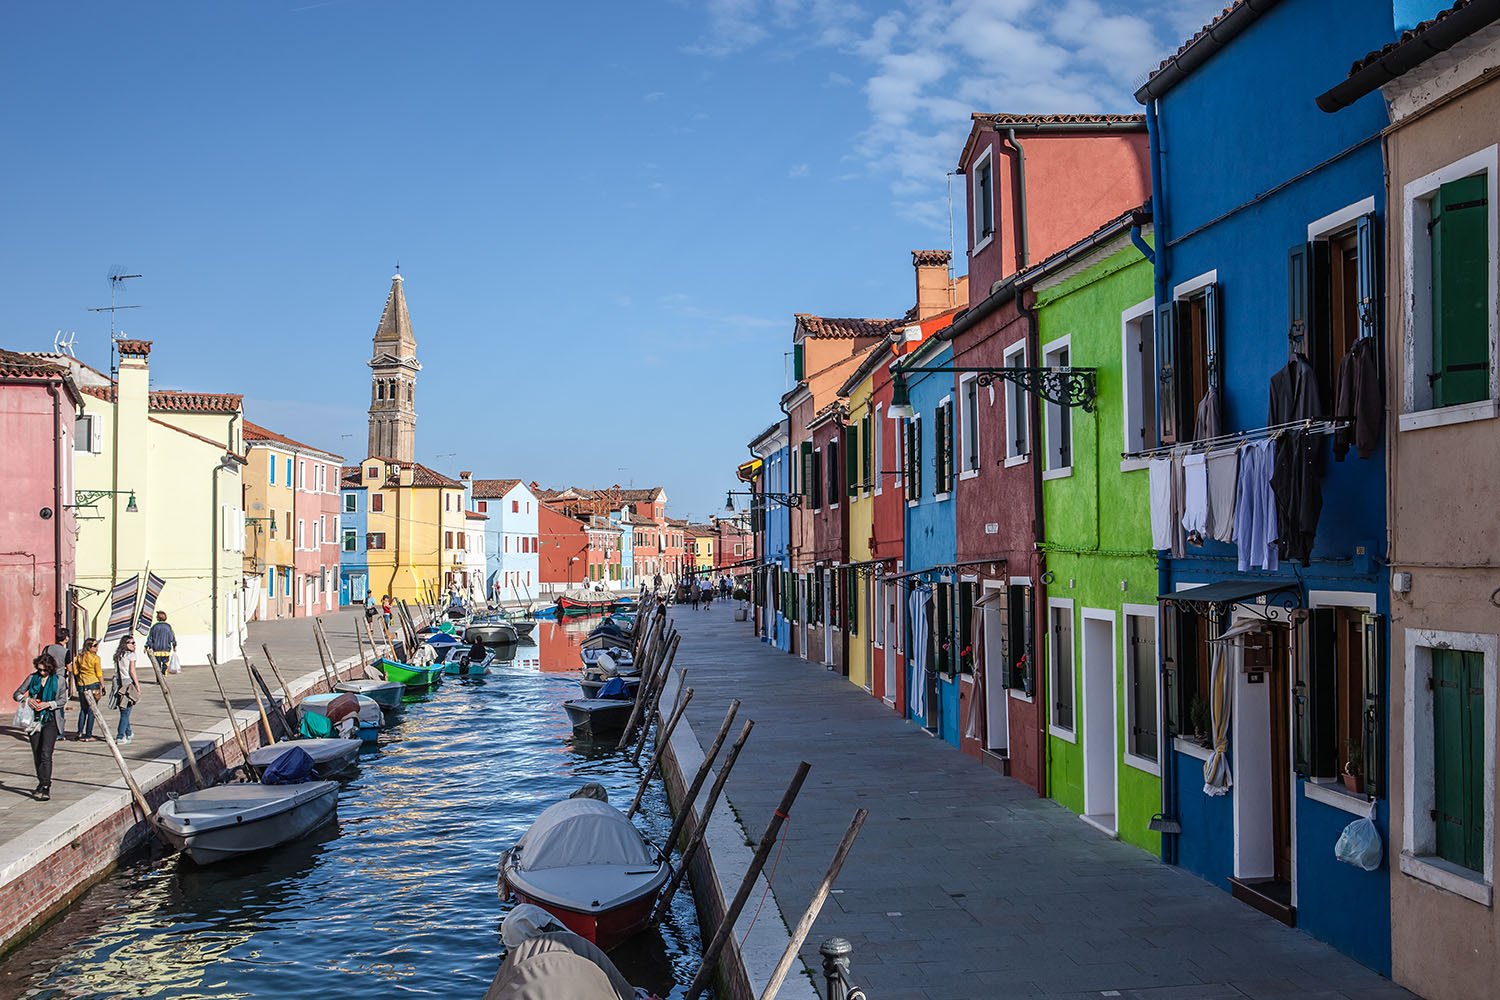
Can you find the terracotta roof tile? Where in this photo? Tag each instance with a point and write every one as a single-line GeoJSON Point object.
{"type": "Point", "coordinates": [255, 432]}
{"type": "Point", "coordinates": [175, 401]}
{"type": "Point", "coordinates": [1199, 34]}
{"type": "Point", "coordinates": [1002, 120]}
{"type": "Point", "coordinates": [16, 365]}
{"type": "Point", "coordinates": [140, 348]}
{"type": "Point", "coordinates": [1416, 31]}
{"type": "Point", "coordinates": [846, 328]}
{"type": "Point", "coordinates": [491, 489]}
{"type": "Point", "coordinates": [931, 258]}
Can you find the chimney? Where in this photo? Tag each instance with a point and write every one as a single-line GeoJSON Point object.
{"type": "Point", "coordinates": [935, 290]}
{"type": "Point", "coordinates": [465, 475]}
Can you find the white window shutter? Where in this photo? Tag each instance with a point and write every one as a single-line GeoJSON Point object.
{"type": "Point", "coordinates": [239, 530]}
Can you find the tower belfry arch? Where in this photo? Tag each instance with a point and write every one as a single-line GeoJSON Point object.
{"type": "Point", "coordinates": [393, 381]}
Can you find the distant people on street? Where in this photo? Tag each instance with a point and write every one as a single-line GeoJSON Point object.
{"type": "Point", "coordinates": [88, 681]}
{"type": "Point", "coordinates": [46, 691]}
{"type": "Point", "coordinates": [656, 583]}
{"type": "Point", "coordinates": [385, 609]}
{"type": "Point", "coordinates": [707, 586]}
{"type": "Point", "coordinates": [161, 643]}
{"type": "Point", "coordinates": [125, 689]}
{"type": "Point", "coordinates": [58, 650]}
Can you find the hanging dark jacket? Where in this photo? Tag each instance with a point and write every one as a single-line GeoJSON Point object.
{"type": "Point", "coordinates": [1294, 393]}
{"type": "Point", "coordinates": [1297, 483]}
{"type": "Point", "coordinates": [1357, 398]}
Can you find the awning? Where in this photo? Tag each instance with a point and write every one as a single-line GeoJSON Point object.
{"type": "Point", "coordinates": [748, 470]}
{"type": "Point", "coordinates": [1272, 598]}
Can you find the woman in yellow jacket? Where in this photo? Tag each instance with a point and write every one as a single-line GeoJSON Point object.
{"type": "Point", "coordinates": [88, 676]}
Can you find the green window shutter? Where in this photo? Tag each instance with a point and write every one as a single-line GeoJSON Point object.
{"type": "Point", "coordinates": [1372, 631]}
{"type": "Point", "coordinates": [937, 450]}
{"type": "Point", "coordinates": [867, 477]}
{"type": "Point", "coordinates": [1460, 293]}
{"type": "Point", "coordinates": [853, 601]}
{"type": "Point", "coordinates": [807, 467]}
{"type": "Point", "coordinates": [851, 460]}
{"type": "Point", "coordinates": [797, 365]}
{"type": "Point", "coordinates": [1315, 750]}
{"type": "Point", "coordinates": [1458, 758]}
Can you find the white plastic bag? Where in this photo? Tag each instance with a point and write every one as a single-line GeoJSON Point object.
{"type": "Point", "coordinates": [174, 665]}
{"type": "Point", "coordinates": [25, 717]}
{"type": "Point", "coordinates": [1360, 844]}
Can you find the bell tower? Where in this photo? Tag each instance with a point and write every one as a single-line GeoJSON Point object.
{"type": "Point", "coordinates": [393, 382]}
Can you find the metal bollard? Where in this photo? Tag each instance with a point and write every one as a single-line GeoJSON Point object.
{"type": "Point", "coordinates": [835, 952]}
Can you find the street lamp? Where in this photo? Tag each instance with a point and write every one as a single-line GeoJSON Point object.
{"type": "Point", "coordinates": [91, 498]}
{"type": "Point", "coordinates": [1063, 386]}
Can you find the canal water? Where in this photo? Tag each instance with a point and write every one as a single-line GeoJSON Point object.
{"type": "Point", "coordinates": [398, 897]}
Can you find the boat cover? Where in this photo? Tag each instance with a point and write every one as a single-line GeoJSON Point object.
{"type": "Point", "coordinates": [558, 964]}
{"type": "Point", "coordinates": [613, 688]}
{"type": "Point", "coordinates": [581, 832]}
{"type": "Point", "coordinates": [291, 768]}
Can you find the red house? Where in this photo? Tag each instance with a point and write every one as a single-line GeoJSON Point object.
{"type": "Point", "coordinates": [564, 556]}
{"type": "Point", "coordinates": [1078, 172]}
{"type": "Point", "coordinates": [828, 617]}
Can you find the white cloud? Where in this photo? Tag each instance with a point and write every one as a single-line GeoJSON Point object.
{"type": "Point", "coordinates": [654, 96]}
{"type": "Point", "coordinates": [799, 170]}
{"type": "Point", "coordinates": [838, 80]}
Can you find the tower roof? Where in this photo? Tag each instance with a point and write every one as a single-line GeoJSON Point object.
{"type": "Point", "coordinates": [395, 321]}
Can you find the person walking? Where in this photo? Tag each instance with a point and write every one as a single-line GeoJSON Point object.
{"type": "Point", "coordinates": [58, 650]}
{"type": "Point", "coordinates": [385, 609]}
{"type": "Point", "coordinates": [125, 690]}
{"type": "Point", "coordinates": [46, 691]}
{"type": "Point", "coordinates": [161, 642]}
{"type": "Point", "coordinates": [88, 681]}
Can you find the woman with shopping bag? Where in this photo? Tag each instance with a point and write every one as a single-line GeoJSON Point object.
{"type": "Point", "coordinates": [125, 690]}
{"type": "Point", "coordinates": [161, 644]}
{"type": "Point", "coordinates": [45, 693]}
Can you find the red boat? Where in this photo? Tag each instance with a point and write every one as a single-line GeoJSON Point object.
{"type": "Point", "coordinates": [586, 864]}
{"type": "Point", "coordinates": [604, 605]}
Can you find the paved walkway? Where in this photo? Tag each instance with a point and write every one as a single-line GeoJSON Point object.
{"type": "Point", "coordinates": [80, 769]}
{"type": "Point", "coordinates": [963, 883]}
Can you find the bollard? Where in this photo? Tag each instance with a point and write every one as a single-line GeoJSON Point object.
{"type": "Point", "coordinates": [835, 952]}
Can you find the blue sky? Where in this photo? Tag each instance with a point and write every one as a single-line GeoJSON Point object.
{"type": "Point", "coordinates": [606, 213]}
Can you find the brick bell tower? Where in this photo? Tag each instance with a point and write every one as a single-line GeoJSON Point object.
{"type": "Point", "coordinates": [393, 382]}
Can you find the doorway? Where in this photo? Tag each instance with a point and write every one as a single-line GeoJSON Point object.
{"type": "Point", "coordinates": [1100, 747]}
{"type": "Point", "coordinates": [996, 697]}
{"type": "Point", "coordinates": [1260, 669]}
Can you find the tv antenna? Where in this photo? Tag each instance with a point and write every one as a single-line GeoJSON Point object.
{"type": "Point", "coordinates": [116, 276]}
{"type": "Point", "coordinates": [62, 343]}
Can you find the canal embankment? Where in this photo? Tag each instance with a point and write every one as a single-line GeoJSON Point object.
{"type": "Point", "coordinates": [52, 852]}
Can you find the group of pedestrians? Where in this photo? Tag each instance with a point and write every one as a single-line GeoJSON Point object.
{"type": "Point", "coordinates": [56, 679]}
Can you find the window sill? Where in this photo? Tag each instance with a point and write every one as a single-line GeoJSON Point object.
{"type": "Point", "coordinates": [982, 244]}
{"type": "Point", "coordinates": [1020, 695]}
{"type": "Point", "coordinates": [1485, 409]}
{"type": "Point", "coordinates": [1333, 793]}
{"type": "Point", "coordinates": [1142, 764]}
{"type": "Point", "coordinates": [1014, 460]}
{"type": "Point", "coordinates": [1062, 473]}
{"type": "Point", "coordinates": [968, 474]}
{"type": "Point", "coordinates": [940, 497]}
{"type": "Point", "coordinates": [1448, 876]}
{"type": "Point", "coordinates": [1134, 464]}
{"type": "Point", "coordinates": [1191, 749]}
{"type": "Point", "coordinates": [1062, 734]}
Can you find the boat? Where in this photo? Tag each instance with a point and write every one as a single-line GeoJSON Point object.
{"type": "Point", "coordinates": [329, 756]}
{"type": "Point", "coordinates": [607, 630]}
{"type": "Point", "coordinates": [522, 625]}
{"type": "Point", "coordinates": [618, 654]}
{"type": "Point", "coordinates": [586, 864]}
{"type": "Point", "coordinates": [436, 639]}
{"type": "Point", "coordinates": [460, 663]}
{"type": "Point", "coordinates": [491, 633]}
{"type": "Point", "coordinates": [226, 821]}
{"type": "Point", "coordinates": [418, 680]}
{"type": "Point", "coordinates": [316, 710]}
{"type": "Point", "coordinates": [592, 685]}
{"type": "Point", "coordinates": [589, 605]}
{"type": "Point", "coordinates": [386, 694]}
{"type": "Point", "coordinates": [605, 714]}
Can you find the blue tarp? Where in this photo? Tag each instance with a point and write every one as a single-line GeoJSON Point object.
{"type": "Point", "coordinates": [292, 768]}
{"type": "Point", "coordinates": [613, 688]}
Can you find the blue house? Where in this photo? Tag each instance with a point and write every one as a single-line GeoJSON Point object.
{"type": "Point", "coordinates": [931, 532]}
{"type": "Point", "coordinates": [354, 569]}
{"type": "Point", "coordinates": [774, 590]}
{"type": "Point", "coordinates": [1269, 216]}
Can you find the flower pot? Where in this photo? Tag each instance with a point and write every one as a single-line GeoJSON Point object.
{"type": "Point", "coordinates": [1354, 783]}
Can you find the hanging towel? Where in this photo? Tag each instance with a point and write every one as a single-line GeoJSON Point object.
{"type": "Point", "coordinates": [1223, 483]}
{"type": "Point", "coordinates": [1179, 491]}
{"type": "Point", "coordinates": [1160, 473]}
{"type": "Point", "coordinates": [1255, 508]}
{"type": "Point", "coordinates": [1195, 497]}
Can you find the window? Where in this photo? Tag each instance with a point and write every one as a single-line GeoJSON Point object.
{"type": "Point", "coordinates": [461, 543]}
{"type": "Point", "coordinates": [515, 506]}
{"type": "Point", "coordinates": [878, 469]}
{"type": "Point", "coordinates": [375, 540]}
{"type": "Point", "coordinates": [1017, 419]}
{"type": "Point", "coordinates": [851, 460]}
{"type": "Point", "coordinates": [1057, 419]}
{"type": "Point", "coordinates": [271, 582]}
{"type": "Point", "coordinates": [942, 627]}
{"type": "Point", "coordinates": [983, 200]}
{"type": "Point", "coordinates": [913, 459]}
{"type": "Point", "coordinates": [288, 516]}
{"type": "Point", "coordinates": [380, 389]}
{"type": "Point", "coordinates": [967, 594]}
{"type": "Point", "coordinates": [1186, 655]}
{"type": "Point", "coordinates": [373, 472]}
{"type": "Point", "coordinates": [833, 473]}
{"type": "Point", "coordinates": [1138, 333]}
{"type": "Point", "coordinates": [272, 465]}
{"type": "Point", "coordinates": [1141, 728]}
{"type": "Point", "coordinates": [301, 475]}
{"type": "Point", "coordinates": [942, 448]}
{"type": "Point", "coordinates": [482, 506]}
{"type": "Point", "coordinates": [1188, 357]}
{"type": "Point", "coordinates": [1331, 292]}
{"type": "Point", "coordinates": [1060, 656]}
{"type": "Point", "coordinates": [377, 502]}
{"type": "Point", "coordinates": [1451, 226]}
{"type": "Point", "coordinates": [447, 501]}
{"type": "Point", "coordinates": [968, 392]}
{"type": "Point", "coordinates": [351, 503]}
{"type": "Point", "coordinates": [301, 533]}
{"type": "Point", "coordinates": [289, 479]}
{"type": "Point", "coordinates": [1337, 718]}
{"type": "Point", "coordinates": [851, 601]}
{"type": "Point", "coordinates": [738, 548]}
{"type": "Point", "coordinates": [866, 455]}
{"type": "Point", "coordinates": [351, 540]}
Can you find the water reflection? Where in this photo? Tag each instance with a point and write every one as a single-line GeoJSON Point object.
{"type": "Point", "coordinates": [398, 897]}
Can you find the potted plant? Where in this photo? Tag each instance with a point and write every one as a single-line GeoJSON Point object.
{"type": "Point", "coordinates": [1354, 767]}
{"type": "Point", "coordinates": [1202, 719]}
{"type": "Point", "coordinates": [966, 659]}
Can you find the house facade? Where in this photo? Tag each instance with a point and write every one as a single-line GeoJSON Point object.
{"type": "Point", "coordinates": [564, 556]}
{"type": "Point", "coordinates": [414, 530]}
{"type": "Point", "coordinates": [354, 568]}
{"type": "Point", "coordinates": [41, 426]}
{"type": "Point", "coordinates": [824, 592]}
{"type": "Point", "coordinates": [773, 530]}
{"type": "Point", "coordinates": [512, 538]}
{"type": "Point", "coordinates": [292, 536]}
{"type": "Point", "coordinates": [1267, 213]}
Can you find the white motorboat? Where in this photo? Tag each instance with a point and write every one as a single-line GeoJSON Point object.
{"type": "Point", "coordinates": [226, 821]}
{"type": "Point", "coordinates": [329, 756]}
{"type": "Point", "coordinates": [618, 654]}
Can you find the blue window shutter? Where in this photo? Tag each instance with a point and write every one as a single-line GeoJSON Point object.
{"type": "Point", "coordinates": [1369, 276]}
{"type": "Point", "coordinates": [1166, 377]}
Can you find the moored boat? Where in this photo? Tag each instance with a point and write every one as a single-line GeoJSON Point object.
{"type": "Point", "coordinates": [491, 633]}
{"type": "Point", "coordinates": [386, 694]}
{"type": "Point", "coordinates": [461, 662]}
{"type": "Point", "coordinates": [418, 680]}
{"type": "Point", "coordinates": [226, 821]}
{"type": "Point", "coordinates": [592, 685]}
{"type": "Point", "coordinates": [329, 756]}
{"type": "Point", "coordinates": [586, 864]}
{"type": "Point", "coordinates": [603, 716]}
{"type": "Point", "coordinates": [320, 711]}
{"type": "Point", "coordinates": [618, 654]}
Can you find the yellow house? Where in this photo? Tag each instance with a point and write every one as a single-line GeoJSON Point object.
{"type": "Point", "coordinates": [861, 524]}
{"type": "Point", "coordinates": [176, 458]}
{"type": "Point", "coordinates": [415, 529]}
{"type": "Point", "coordinates": [700, 540]}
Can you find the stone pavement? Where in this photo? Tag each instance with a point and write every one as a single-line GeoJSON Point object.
{"type": "Point", "coordinates": [963, 883]}
{"type": "Point", "coordinates": [80, 769]}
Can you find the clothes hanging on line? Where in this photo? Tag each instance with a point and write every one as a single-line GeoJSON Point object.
{"type": "Point", "coordinates": [1195, 497]}
{"type": "Point", "coordinates": [1179, 495]}
{"type": "Point", "coordinates": [1297, 482]}
{"type": "Point", "coordinates": [1357, 398]}
{"type": "Point", "coordinates": [1294, 393]}
{"type": "Point", "coordinates": [1207, 424]}
{"type": "Point", "coordinates": [1223, 469]}
{"type": "Point", "coordinates": [1159, 473]}
{"type": "Point", "coordinates": [1255, 508]}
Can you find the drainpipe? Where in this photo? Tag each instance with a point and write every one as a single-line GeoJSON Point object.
{"type": "Point", "coordinates": [296, 467]}
{"type": "Point", "coordinates": [215, 523]}
{"type": "Point", "coordinates": [1039, 533]}
{"type": "Point", "coordinates": [1022, 251]}
{"type": "Point", "coordinates": [1140, 243]}
{"type": "Point", "coordinates": [1158, 204]}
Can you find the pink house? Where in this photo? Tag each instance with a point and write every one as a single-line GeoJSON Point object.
{"type": "Point", "coordinates": [293, 541]}
{"type": "Point", "coordinates": [39, 405]}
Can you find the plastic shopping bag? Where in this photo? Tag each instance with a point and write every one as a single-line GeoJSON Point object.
{"type": "Point", "coordinates": [1360, 844]}
{"type": "Point", "coordinates": [174, 665]}
{"type": "Point", "coordinates": [25, 717]}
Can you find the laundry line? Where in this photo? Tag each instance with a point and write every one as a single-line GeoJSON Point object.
{"type": "Point", "coordinates": [1237, 437]}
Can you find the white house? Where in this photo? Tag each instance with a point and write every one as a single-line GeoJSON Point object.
{"type": "Point", "coordinates": [512, 563]}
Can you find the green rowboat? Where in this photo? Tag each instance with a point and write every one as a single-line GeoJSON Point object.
{"type": "Point", "coordinates": [416, 679]}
